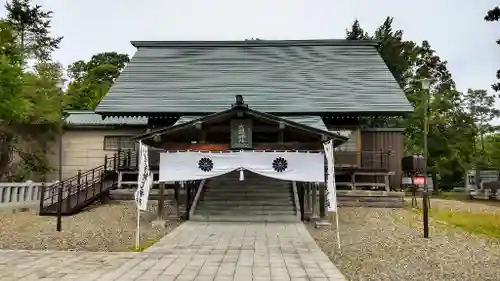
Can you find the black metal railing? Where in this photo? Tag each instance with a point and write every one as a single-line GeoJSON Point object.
{"type": "Point", "coordinates": [77, 190]}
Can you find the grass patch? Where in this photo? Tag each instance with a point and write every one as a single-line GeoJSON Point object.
{"type": "Point", "coordinates": [460, 196]}
{"type": "Point", "coordinates": [487, 224]}
{"type": "Point", "coordinates": [144, 246]}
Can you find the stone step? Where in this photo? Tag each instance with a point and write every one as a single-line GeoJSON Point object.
{"type": "Point", "coordinates": [248, 185]}
{"type": "Point", "coordinates": [247, 179]}
{"type": "Point", "coordinates": [263, 192]}
{"type": "Point", "coordinates": [250, 191]}
{"type": "Point", "coordinates": [238, 192]}
{"type": "Point", "coordinates": [248, 203]}
{"type": "Point", "coordinates": [237, 212]}
{"type": "Point", "coordinates": [247, 197]}
{"type": "Point", "coordinates": [274, 190]}
{"type": "Point", "coordinates": [257, 187]}
{"type": "Point", "coordinates": [253, 218]}
{"type": "Point", "coordinates": [203, 207]}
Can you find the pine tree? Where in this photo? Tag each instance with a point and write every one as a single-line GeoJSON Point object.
{"type": "Point", "coordinates": [31, 26]}
{"type": "Point", "coordinates": [494, 15]}
{"type": "Point", "coordinates": [356, 32]}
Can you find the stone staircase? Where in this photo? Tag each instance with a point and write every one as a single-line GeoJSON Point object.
{"type": "Point", "coordinates": [255, 199]}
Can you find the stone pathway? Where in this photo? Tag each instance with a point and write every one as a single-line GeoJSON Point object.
{"type": "Point", "coordinates": [193, 251]}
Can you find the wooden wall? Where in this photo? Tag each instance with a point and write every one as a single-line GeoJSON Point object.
{"type": "Point", "coordinates": [386, 139]}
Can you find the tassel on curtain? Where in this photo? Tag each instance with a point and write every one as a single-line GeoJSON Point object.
{"type": "Point", "coordinates": [242, 175]}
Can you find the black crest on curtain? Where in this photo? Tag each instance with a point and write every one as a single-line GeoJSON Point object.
{"type": "Point", "coordinates": [206, 164]}
{"type": "Point", "coordinates": [280, 164]}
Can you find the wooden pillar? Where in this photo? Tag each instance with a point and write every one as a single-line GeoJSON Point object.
{"type": "Point", "coordinates": [188, 199]}
{"type": "Point", "coordinates": [281, 133]}
{"type": "Point", "coordinates": [353, 180]}
{"type": "Point", "coordinates": [308, 199]}
{"type": "Point", "coordinates": [322, 201]}
{"type": "Point", "coordinates": [300, 192]}
{"type": "Point", "coordinates": [161, 201]}
{"type": "Point", "coordinates": [314, 200]}
{"type": "Point", "coordinates": [202, 134]}
{"type": "Point", "coordinates": [177, 203]}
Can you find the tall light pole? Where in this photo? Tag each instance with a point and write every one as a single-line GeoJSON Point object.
{"type": "Point", "coordinates": [425, 198]}
{"type": "Point", "coordinates": [60, 86]}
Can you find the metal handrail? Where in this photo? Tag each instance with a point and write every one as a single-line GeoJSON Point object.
{"type": "Point", "coordinates": [78, 184]}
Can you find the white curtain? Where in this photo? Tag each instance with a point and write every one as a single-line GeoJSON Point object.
{"type": "Point", "coordinates": [192, 165]}
{"type": "Point", "coordinates": [291, 166]}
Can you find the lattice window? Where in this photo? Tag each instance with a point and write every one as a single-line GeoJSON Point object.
{"type": "Point", "coordinates": [118, 142]}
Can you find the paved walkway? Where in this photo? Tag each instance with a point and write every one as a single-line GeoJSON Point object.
{"type": "Point", "coordinates": [193, 251]}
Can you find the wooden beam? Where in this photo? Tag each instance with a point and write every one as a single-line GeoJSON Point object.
{"type": "Point", "coordinates": [357, 133]}
{"type": "Point", "coordinates": [301, 194]}
{"type": "Point", "coordinates": [161, 202]}
{"type": "Point", "coordinates": [202, 132]}
{"type": "Point", "coordinates": [177, 203]}
{"type": "Point", "coordinates": [322, 201]}
{"type": "Point", "coordinates": [281, 133]}
{"type": "Point", "coordinates": [256, 146]}
{"type": "Point", "coordinates": [314, 204]}
{"type": "Point", "coordinates": [189, 188]}
{"type": "Point", "coordinates": [308, 199]}
{"type": "Point", "coordinates": [288, 146]}
{"type": "Point", "coordinates": [255, 129]}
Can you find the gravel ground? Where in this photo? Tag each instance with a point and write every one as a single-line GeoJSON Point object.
{"type": "Point", "coordinates": [102, 227]}
{"type": "Point", "coordinates": [387, 244]}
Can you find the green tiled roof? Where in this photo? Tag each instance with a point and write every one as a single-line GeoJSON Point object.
{"type": "Point", "coordinates": [89, 118]}
{"type": "Point", "coordinates": [284, 77]}
{"type": "Point", "coordinates": [311, 121]}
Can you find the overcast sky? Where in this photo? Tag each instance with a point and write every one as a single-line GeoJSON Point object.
{"type": "Point", "coordinates": [455, 29]}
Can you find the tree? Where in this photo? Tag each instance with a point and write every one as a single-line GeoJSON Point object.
{"type": "Point", "coordinates": [492, 148]}
{"type": "Point", "coordinates": [91, 80]}
{"type": "Point", "coordinates": [41, 121]}
{"type": "Point", "coordinates": [398, 54]}
{"type": "Point", "coordinates": [11, 107]}
{"type": "Point", "coordinates": [481, 108]}
{"type": "Point", "coordinates": [494, 15]}
{"type": "Point", "coordinates": [443, 115]}
{"type": "Point", "coordinates": [31, 26]}
{"type": "Point", "coordinates": [356, 32]}
{"type": "Point", "coordinates": [28, 111]}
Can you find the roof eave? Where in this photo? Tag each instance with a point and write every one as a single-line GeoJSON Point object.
{"type": "Point", "coordinates": [338, 139]}
{"type": "Point", "coordinates": [154, 114]}
{"type": "Point", "coordinates": [254, 43]}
